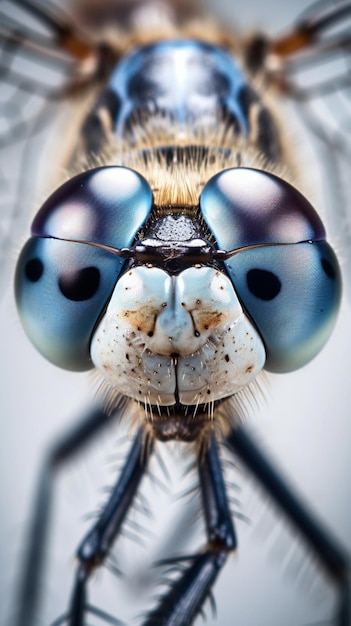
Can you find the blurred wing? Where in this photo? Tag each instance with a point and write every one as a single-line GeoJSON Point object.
{"type": "Point", "coordinates": [43, 60]}
{"type": "Point", "coordinates": [312, 64]}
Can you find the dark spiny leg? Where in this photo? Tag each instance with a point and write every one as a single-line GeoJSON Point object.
{"type": "Point", "coordinates": [184, 600]}
{"type": "Point", "coordinates": [29, 589]}
{"type": "Point", "coordinates": [332, 556]}
{"type": "Point", "coordinates": [97, 543]}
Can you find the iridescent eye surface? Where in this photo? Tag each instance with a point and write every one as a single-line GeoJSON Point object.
{"type": "Point", "coordinates": [285, 273]}
{"type": "Point", "coordinates": [62, 285]}
{"type": "Point", "coordinates": [244, 207]}
{"type": "Point", "coordinates": [292, 293]}
{"type": "Point", "coordinates": [106, 206]}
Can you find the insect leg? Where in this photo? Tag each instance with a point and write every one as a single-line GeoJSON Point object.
{"type": "Point", "coordinates": [28, 597]}
{"type": "Point", "coordinates": [332, 556]}
{"type": "Point", "coordinates": [183, 601]}
{"type": "Point", "coordinates": [98, 541]}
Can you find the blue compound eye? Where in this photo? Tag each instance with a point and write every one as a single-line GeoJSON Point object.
{"type": "Point", "coordinates": [62, 285]}
{"type": "Point", "coordinates": [61, 290]}
{"type": "Point", "coordinates": [285, 273]}
{"type": "Point", "coordinates": [106, 206]}
{"type": "Point", "coordinates": [244, 207]}
{"type": "Point", "coordinates": [292, 293]}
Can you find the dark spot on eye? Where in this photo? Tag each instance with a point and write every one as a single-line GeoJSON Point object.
{"type": "Point", "coordinates": [263, 284]}
{"type": "Point", "coordinates": [81, 284]}
{"type": "Point", "coordinates": [34, 270]}
{"type": "Point", "coordinates": [329, 269]}
{"type": "Point", "coordinates": [227, 358]}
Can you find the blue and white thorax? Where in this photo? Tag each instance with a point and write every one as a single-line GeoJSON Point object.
{"type": "Point", "coordinates": [174, 270]}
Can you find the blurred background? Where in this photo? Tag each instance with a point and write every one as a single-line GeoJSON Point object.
{"type": "Point", "coordinates": [303, 423]}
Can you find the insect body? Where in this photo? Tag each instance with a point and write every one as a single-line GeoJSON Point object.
{"type": "Point", "coordinates": [179, 269]}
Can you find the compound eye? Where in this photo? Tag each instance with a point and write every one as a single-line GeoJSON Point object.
{"type": "Point", "coordinates": [106, 206]}
{"type": "Point", "coordinates": [292, 293]}
{"type": "Point", "coordinates": [62, 283]}
{"type": "Point", "coordinates": [61, 290]}
{"type": "Point", "coordinates": [244, 207]}
{"type": "Point", "coordinates": [284, 272]}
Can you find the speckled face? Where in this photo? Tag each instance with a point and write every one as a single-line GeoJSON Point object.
{"type": "Point", "coordinates": [184, 338]}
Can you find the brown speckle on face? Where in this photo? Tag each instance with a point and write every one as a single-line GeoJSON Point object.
{"type": "Point", "coordinates": [205, 319]}
{"type": "Point", "coordinates": [143, 319]}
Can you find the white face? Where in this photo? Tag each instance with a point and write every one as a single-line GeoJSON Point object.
{"type": "Point", "coordinates": [185, 338]}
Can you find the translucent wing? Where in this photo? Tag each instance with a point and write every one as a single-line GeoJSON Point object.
{"type": "Point", "coordinates": [311, 64]}
{"type": "Point", "coordinates": [320, 75]}
{"type": "Point", "coordinates": [41, 64]}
